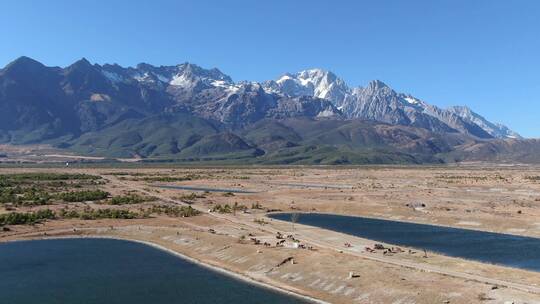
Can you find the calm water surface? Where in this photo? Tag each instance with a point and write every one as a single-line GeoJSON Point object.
{"type": "Point", "coordinates": [504, 249]}
{"type": "Point", "coordinates": [111, 271]}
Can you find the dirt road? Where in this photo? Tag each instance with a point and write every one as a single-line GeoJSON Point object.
{"type": "Point", "coordinates": [334, 241]}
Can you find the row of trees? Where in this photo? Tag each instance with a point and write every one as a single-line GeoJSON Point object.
{"type": "Point", "coordinates": [20, 178]}
{"type": "Point", "coordinates": [174, 211]}
{"type": "Point", "coordinates": [18, 218]}
{"type": "Point", "coordinates": [22, 218]}
{"type": "Point", "coordinates": [229, 209]}
{"type": "Point", "coordinates": [130, 199]}
{"type": "Point", "coordinates": [151, 179]}
{"type": "Point", "coordinates": [94, 214]}
{"type": "Point", "coordinates": [33, 196]}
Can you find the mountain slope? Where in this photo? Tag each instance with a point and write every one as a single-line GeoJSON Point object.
{"type": "Point", "coordinates": [315, 82]}
{"type": "Point", "coordinates": [379, 102]}
{"type": "Point", "coordinates": [185, 112]}
{"type": "Point", "coordinates": [494, 129]}
{"type": "Point", "coordinates": [154, 136]}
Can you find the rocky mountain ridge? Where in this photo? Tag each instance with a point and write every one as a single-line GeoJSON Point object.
{"type": "Point", "coordinates": [377, 101]}
{"type": "Point", "coordinates": [188, 112]}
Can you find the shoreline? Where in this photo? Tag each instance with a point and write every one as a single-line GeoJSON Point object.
{"type": "Point", "coordinates": [238, 276]}
{"type": "Point", "coordinates": [406, 221]}
{"type": "Point", "coordinates": [242, 244]}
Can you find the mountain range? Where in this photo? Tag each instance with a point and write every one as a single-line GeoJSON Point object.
{"type": "Point", "coordinates": [188, 113]}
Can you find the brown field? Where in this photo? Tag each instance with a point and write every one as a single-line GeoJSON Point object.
{"type": "Point", "coordinates": [491, 198]}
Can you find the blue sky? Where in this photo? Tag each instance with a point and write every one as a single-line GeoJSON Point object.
{"type": "Point", "coordinates": [484, 54]}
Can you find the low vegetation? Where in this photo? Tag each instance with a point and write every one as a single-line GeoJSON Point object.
{"type": "Point", "coordinates": [94, 214]}
{"type": "Point", "coordinates": [82, 196]}
{"type": "Point", "coordinates": [123, 173]}
{"type": "Point", "coordinates": [190, 197]}
{"type": "Point", "coordinates": [19, 196]}
{"type": "Point", "coordinates": [256, 206]}
{"type": "Point", "coordinates": [22, 218]}
{"type": "Point", "coordinates": [240, 207]}
{"type": "Point", "coordinates": [221, 208]}
{"type": "Point", "coordinates": [36, 189]}
{"type": "Point", "coordinates": [19, 178]}
{"type": "Point", "coordinates": [25, 218]}
{"type": "Point", "coordinates": [36, 197]}
{"type": "Point", "coordinates": [162, 178]}
{"type": "Point", "coordinates": [169, 178]}
{"type": "Point", "coordinates": [261, 222]}
{"type": "Point", "coordinates": [474, 178]}
{"type": "Point", "coordinates": [228, 209]}
{"type": "Point", "coordinates": [130, 199]}
{"type": "Point", "coordinates": [174, 211]}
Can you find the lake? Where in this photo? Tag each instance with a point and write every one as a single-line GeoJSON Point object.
{"type": "Point", "coordinates": [496, 248]}
{"type": "Point", "coordinates": [114, 271]}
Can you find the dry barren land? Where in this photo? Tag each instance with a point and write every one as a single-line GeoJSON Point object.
{"type": "Point", "coordinates": [231, 230]}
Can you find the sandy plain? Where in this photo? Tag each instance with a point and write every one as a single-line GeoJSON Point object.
{"type": "Point", "coordinates": [490, 198]}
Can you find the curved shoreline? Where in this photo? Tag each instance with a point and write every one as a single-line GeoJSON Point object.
{"type": "Point", "coordinates": [267, 215]}
{"type": "Point", "coordinates": [437, 252]}
{"type": "Point", "coordinates": [241, 277]}
{"type": "Point", "coordinates": [427, 268]}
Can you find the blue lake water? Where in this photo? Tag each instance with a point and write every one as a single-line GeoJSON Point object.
{"type": "Point", "coordinates": [108, 271]}
{"type": "Point", "coordinates": [503, 249]}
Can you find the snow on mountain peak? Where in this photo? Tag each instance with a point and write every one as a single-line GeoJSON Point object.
{"type": "Point", "coordinates": [185, 75]}
{"type": "Point", "coordinates": [412, 101]}
{"type": "Point", "coordinates": [181, 80]}
{"type": "Point", "coordinates": [112, 76]}
{"type": "Point", "coordinates": [284, 78]}
{"type": "Point", "coordinates": [376, 101]}
{"type": "Point", "coordinates": [313, 82]}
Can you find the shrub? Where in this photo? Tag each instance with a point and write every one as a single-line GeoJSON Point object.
{"type": "Point", "coordinates": [175, 211]}
{"type": "Point", "coordinates": [256, 206]}
{"type": "Point", "coordinates": [222, 208]}
{"type": "Point", "coordinates": [91, 214]}
{"type": "Point", "coordinates": [26, 177]}
{"type": "Point", "coordinates": [18, 218]}
{"type": "Point", "coordinates": [82, 196]}
{"type": "Point", "coordinates": [130, 199]}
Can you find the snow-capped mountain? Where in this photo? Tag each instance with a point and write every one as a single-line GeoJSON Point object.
{"type": "Point", "coordinates": [196, 86]}
{"type": "Point", "coordinates": [85, 97]}
{"type": "Point", "coordinates": [494, 129]}
{"type": "Point", "coordinates": [186, 75]}
{"type": "Point", "coordinates": [314, 82]}
{"type": "Point", "coordinates": [378, 102]}
{"type": "Point", "coordinates": [188, 112]}
{"type": "Point", "coordinates": [212, 94]}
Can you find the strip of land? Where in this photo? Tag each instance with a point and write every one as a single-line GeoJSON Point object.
{"type": "Point", "coordinates": [241, 239]}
